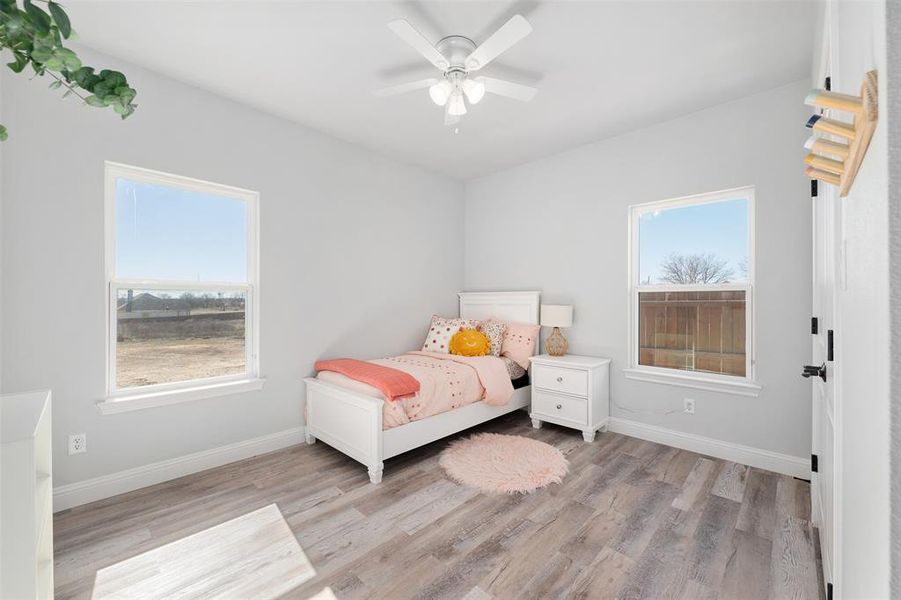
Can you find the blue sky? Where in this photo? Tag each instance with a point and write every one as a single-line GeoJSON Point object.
{"type": "Point", "coordinates": [719, 228]}
{"type": "Point", "coordinates": [167, 233]}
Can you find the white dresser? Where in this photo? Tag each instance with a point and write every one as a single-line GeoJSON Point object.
{"type": "Point", "coordinates": [26, 504]}
{"type": "Point", "coordinates": [573, 391]}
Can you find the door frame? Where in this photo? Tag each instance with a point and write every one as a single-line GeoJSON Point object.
{"type": "Point", "coordinates": [828, 199]}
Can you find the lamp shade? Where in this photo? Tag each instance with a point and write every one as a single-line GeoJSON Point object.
{"type": "Point", "coordinates": [556, 315]}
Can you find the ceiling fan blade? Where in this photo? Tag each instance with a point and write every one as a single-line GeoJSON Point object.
{"type": "Point", "coordinates": [403, 88]}
{"type": "Point", "coordinates": [450, 119]}
{"type": "Point", "coordinates": [417, 41]}
{"type": "Point", "coordinates": [508, 89]}
{"type": "Point", "coordinates": [500, 41]}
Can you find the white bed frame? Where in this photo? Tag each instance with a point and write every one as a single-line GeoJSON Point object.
{"type": "Point", "coordinates": [352, 422]}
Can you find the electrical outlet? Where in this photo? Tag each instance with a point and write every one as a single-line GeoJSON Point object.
{"type": "Point", "coordinates": [689, 406]}
{"type": "Point", "coordinates": [78, 443]}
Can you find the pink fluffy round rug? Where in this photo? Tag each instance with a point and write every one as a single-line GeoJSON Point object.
{"type": "Point", "coordinates": [498, 463]}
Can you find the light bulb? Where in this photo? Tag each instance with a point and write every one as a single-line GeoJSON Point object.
{"type": "Point", "coordinates": [457, 106]}
{"type": "Point", "coordinates": [440, 92]}
{"type": "Point", "coordinates": [474, 90]}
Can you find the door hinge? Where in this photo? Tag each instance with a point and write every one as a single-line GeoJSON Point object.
{"type": "Point", "coordinates": [814, 463]}
{"type": "Point", "coordinates": [830, 353]}
{"type": "Point", "coordinates": [813, 188]}
{"type": "Point", "coordinates": [828, 591]}
{"type": "Point", "coordinates": [814, 326]}
{"type": "Point", "coordinates": [828, 85]}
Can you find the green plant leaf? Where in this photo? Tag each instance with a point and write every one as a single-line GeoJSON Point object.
{"type": "Point", "coordinates": [101, 89]}
{"type": "Point", "coordinates": [112, 78]}
{"type": "Point", "coordinates": [81, 75]}
{"type": "Point", "coordinates": [61, 19]}
{"type": "Point", "coordinates": [13, 23]}
{"type": "Point", "coordinates": [41, 54]}
{"type": "Point", "coordinates": [126, 94]}
{"type": "Point", "coordinates": [3, 133]}
{"type": "Point", "coordinates": [95, 101]}
{"type": "Point", "coordinates": [20, 62]}
{"type": "Point", "coordinates": [35, 39]}
{"type": "Point", "coordinates": [69, 59]}
{"type": "Point", "coordinates": [39, 18]}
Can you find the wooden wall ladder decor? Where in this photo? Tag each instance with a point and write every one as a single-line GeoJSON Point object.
{"type": "Point", "coordinates": [837, 159]}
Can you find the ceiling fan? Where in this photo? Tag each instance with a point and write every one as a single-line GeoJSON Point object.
{"type": "Point", "coordinates": [458, 57]}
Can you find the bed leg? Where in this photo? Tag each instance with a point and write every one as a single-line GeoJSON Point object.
{"type": "Point", "coordinates": [309, 438]}
{"type": "Point", "coordinates": [536, 424]}
{"type": "Point", "coordinates": [375, 473]}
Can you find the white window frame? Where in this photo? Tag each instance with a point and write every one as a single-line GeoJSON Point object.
{"type": "Point", "coordinates": [126, 399]}
{"type": "Point", "coordinates": [717, 382]}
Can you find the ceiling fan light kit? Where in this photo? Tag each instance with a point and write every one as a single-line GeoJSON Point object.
{"type": "Point", "coordinates": [456, 106]}
{"type": "Point", "coordinates": [457, 57]}
{"type": "Point", "coordinates": [441, 91]}
{"type": "Point", "coordinates": [474, 90]}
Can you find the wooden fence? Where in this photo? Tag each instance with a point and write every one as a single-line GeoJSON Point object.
{"type": "Point", "coordinates": [227, 324]}
{"type": "Point", "coordinates": [695, 331]}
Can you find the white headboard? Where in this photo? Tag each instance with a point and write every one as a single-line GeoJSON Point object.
{"type": "Point", "coordinates": [520, 307]}
{"type": "Point", "coordinates": [517, 307]}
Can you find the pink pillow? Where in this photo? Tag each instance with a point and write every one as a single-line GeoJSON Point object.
{"type": "Point", "coordinates": [519, 342]}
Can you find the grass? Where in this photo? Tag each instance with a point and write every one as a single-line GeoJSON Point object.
{"type": "Point", "coordinates": [168, 360]}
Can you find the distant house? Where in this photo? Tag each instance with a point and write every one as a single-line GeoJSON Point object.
{"type": "Point", "coordinates": [148, 306]}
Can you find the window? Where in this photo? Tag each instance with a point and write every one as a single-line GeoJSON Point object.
{"type": "Point", "coordinates": [181, 264]}
{"type": "Point", "coordinates": [691, 279]}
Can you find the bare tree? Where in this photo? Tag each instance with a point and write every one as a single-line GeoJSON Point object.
{"type": "Point", "coordinates": [695, 268]}
{"type": "Point", "coordinates": [743, 267]}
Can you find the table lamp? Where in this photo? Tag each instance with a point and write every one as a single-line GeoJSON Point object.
{"type": "Point", "coordinates": [556, 316]}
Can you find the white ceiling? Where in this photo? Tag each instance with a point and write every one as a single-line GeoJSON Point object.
{"type": "Point", "coordinates": [602, 68]}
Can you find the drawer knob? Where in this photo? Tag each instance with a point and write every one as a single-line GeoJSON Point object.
{"type": "Point", "coordinates": [559, 406]}
{"type": "Point", "coordinates": [559, 380]}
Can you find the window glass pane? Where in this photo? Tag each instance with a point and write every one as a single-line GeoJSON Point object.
{"type": "Point", "coordinates": [168, 233]}
{"type": "Point", "coordinates": [700, 244]}
{"type": "Point", "coordinates": [693, 331]}
{"type": "Point", "coordinates": [168, 336]}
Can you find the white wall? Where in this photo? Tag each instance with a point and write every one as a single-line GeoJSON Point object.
{"type": "Point", "coordinates": [863, 354]}
{"type": "Point", "coordinates": [562, 227]}
{"type": "Point", "coordinates": [357, 251]}
{"type": "Point", "coordinates": [893, 102]}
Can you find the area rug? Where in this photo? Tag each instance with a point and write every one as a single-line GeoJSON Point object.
{"type": "Point", "coordinates": [503, 464]}
{"type": "Point", "coordinates": [253, 556]}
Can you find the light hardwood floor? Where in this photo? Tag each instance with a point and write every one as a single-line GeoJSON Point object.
{"type": "Point", "coordinates": [633, 519]}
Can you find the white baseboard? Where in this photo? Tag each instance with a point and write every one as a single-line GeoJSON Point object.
{"type": "Point", "coordinates": [746, 455]}
{"type": "Point", "coordinates": [82, 492]}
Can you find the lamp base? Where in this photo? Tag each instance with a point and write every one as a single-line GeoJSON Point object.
{"type": "Point", "coordinates": [556, 344]}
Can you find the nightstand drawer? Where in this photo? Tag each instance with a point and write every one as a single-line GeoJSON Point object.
{"type": "Point", "coordinates": [558, 379]}
{"type": "Point", "coordinates": [562, 407]}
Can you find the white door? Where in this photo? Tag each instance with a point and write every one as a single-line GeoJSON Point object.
{"type": "Point", "coordinates": [824, 482]}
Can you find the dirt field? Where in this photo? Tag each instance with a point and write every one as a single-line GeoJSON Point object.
{"type": "Point", "coordinates": [167, 360]}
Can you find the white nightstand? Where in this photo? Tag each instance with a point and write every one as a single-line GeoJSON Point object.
{"type": "Point", "coordinates": [573, 391]}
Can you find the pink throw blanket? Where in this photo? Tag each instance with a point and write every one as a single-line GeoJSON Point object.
{"type": "Point", "coordinates": [491, 371]}
{"type": "Point", "coordinates": [391, 382]}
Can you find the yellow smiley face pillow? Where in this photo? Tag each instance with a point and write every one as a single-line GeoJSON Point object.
{"type": "Point", "coordinates": [470, 342]}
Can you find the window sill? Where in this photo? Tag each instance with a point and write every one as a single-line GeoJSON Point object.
{"type": "Point", "coordinates": [139, 401]}
{"type": "Point", "coordinates": [740, 387]}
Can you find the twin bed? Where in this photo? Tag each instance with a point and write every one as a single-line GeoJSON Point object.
{"type": "Point", "coordinates": [355, 420]}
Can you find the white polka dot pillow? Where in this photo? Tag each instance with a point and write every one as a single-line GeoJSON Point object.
{"type": "Point", "coordinates": [495, 332]}
{"type": "Point", "coordinates": [441, 330]}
